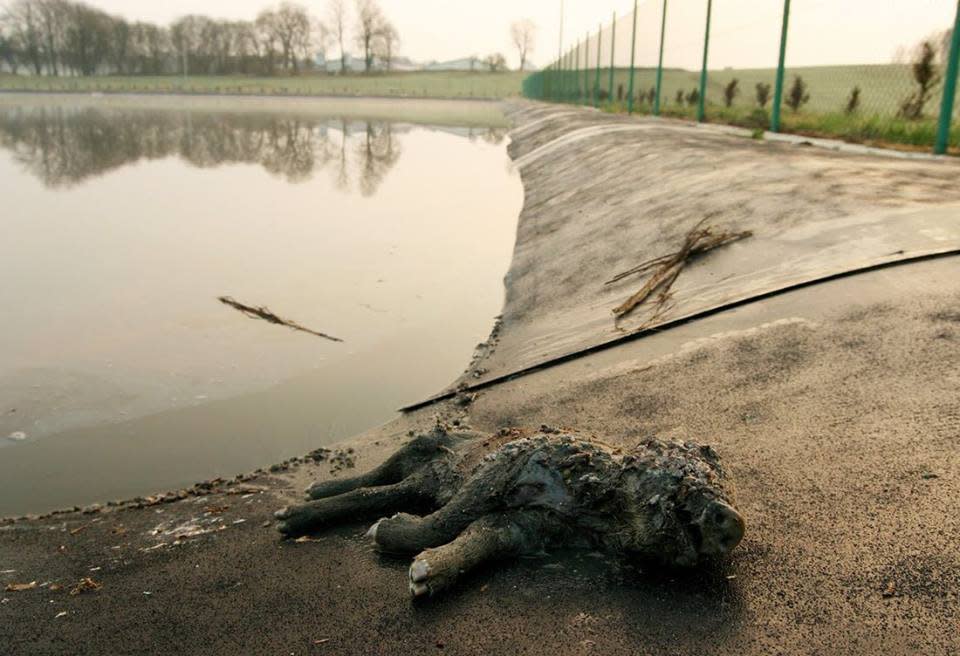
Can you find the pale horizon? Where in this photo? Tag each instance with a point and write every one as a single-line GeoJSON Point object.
{"type": "Point", "coordinates": [745, 32]}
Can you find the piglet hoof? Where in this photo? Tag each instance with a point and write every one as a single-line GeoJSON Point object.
{"type": "Point", "coordinates": [295, 520]}
{"type": "Point", "coordinates": [372, 532]}
{"type": "Point", "coordinates": [419, 578]}
{"type": "Point", "coordinates": [392, 535]}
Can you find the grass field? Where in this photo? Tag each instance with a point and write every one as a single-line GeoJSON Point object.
{"type": "Point", "coordinates": [441, 84]}
{"type": "Point", "coordinates": [882, 90]}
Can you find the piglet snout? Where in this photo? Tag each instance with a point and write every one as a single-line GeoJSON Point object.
{"type": "Point", "coordinates": [722, 529]}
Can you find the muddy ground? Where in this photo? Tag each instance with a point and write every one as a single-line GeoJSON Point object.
{"type": "Point", "coordinates": [835, 408]}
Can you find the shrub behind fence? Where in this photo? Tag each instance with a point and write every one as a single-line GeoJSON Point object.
{"type": "Point", "coordinates": [862, 70]}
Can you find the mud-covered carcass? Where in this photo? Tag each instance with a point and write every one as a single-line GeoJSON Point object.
{"type": "Point", "coordinates": [516, 494]}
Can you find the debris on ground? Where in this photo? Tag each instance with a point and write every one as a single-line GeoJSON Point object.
{"type": "Point", "coordinates": [667, 268]}
{"type": "Point", "coordinates": [890, 590]}
{"type": "Point", "coordinates": [182, 529]}
{"type": "Point", "coordinates": [339, 459]}
{"type": "Point", "coordinates": [20, 587]}
{"type": "Point", "coordinates": [216, 510]}
{"type": "Point", "coordinates": [86, 584]}
{"type": "Point", "coordinates": [265, 314]}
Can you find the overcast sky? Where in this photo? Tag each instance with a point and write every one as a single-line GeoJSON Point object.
{"type": "Point", "coordinates": [746, 31]}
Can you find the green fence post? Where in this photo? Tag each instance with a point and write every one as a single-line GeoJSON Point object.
{"type": "Point", "coordinates": [633, 55]}
{"type": "Point", "coordinates": [559, 91]}
{"type": "Point", "coordinates": [949, 89]}
{"type": "Point", "coordinates": [663, 33]}
{"type": "Point", "coordinates": [778, 90]}
{"type": "Point", "coordinates": [613, 50]}
{"type": "Point", "coordinates": [555, 80]}
{"type": "Point", "coordinates": [596, 83]}
{"type": "Point", "coordinates": [571, 92]}
{"type": "Point", "coordinates": [576, 74]}
{"type": "Point", "coordinates": [703, 71]}
{"type": "Point", "coordinates": [563, 78]}
{"type": "Point", "coordinates": [558, 80]}
{"type": "Point", "coordinates": [586, 69]}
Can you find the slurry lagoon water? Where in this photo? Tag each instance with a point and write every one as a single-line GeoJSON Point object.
{"type": "Point", "coordinates": [389, 225]}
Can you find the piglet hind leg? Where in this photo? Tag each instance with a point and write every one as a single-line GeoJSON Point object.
{"type": "Point", "coordinates": [492, 537]}
{"type": "Point", "coordinates": [413, 457]}
{"type": "Point", "coordinates": [322, 513]}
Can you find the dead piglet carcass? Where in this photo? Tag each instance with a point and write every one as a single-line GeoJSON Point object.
{"type": "Point", "coordinates": [510, 495]}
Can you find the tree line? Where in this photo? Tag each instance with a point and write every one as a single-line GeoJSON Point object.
{"type": "Point", "coordinates": [66, 37]}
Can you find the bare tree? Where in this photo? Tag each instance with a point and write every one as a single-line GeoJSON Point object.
{"type": "Point", "coordinates": [370, 21]}
{"type": "Point", "coordinates": [268, 45]}
{"type": "Point", "coordinates": [496, 62]}
{"type": "Point", "coordinates": [523, 35]}
{"type": "Point", "coordinates": [23, 23]}
{"type": "Point", "coordinates": [70, 37]}
{"type": "Point", "coordinates": [288, 26]}
{"type": "Point", "coordinates": [120, 37]}
{"type": "Point", "coordinates": [53, 21]}
{"type": "Point", "coordinates": [89, 41]}
{"type": "Point", "coordinates": [9, 50]}
{"type": "Point", "coordinates": [337, 18]}
{"type": "Point", "coordinates": [185, 37]}
{"type": "Point", "coordinates": [386, 44]}
{"type": "Point", "coordinates": [151, 47]}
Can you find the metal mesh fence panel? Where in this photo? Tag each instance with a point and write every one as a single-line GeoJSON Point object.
{"type": "Point", "coordinates": [864, 70]}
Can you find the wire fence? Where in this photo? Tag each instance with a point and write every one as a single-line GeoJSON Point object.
{"type": "Point", "coordinates": [881, 71]}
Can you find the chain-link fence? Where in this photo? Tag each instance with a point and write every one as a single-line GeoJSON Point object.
{"type": "Point", "coordinates": [864, 70]}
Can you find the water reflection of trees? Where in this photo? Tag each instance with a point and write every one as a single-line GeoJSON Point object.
{"type": "Point", "coordinates": [65, 147]}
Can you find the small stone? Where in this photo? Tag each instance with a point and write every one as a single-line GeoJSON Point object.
{"type": "Point", "coordinates": [17, 436]}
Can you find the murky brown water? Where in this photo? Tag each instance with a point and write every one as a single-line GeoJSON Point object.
{"type": "Point", "coordinates": [121, 373]}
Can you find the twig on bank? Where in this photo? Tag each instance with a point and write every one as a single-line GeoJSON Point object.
{"type": "Point", "coordinates": [268, 316]}
{"type": "Point", "coordinates": [667, 268]}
